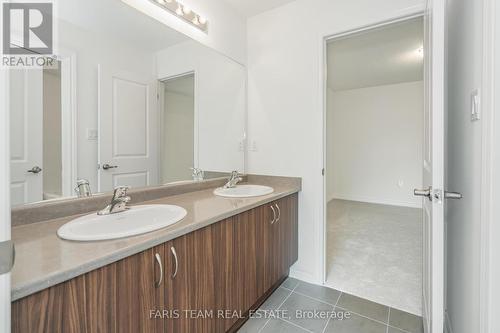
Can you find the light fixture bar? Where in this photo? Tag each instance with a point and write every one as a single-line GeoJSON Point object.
{"type": "Point", "coordinates": [184, 12]}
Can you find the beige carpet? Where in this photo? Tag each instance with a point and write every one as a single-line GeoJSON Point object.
{"type": "Point", "coordinates": [375, 252]}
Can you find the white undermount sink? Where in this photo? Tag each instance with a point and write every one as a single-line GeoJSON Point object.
{"type": "Point", "coordinates": [243, 191]}
{"type": "Point", "coordinates": [135, 221]}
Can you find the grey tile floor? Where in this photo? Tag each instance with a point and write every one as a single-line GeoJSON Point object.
{"type": "Point", "coordinates": [298, 307]}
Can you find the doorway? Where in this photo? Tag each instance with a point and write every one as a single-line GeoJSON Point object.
{"type": "Point", "coordinates": [42, 137]}
{"type": "Point", "coordinates": [52, 133]}
{"type": "Point", "coordinates": [374, 123]}
{"type": "Point", "coordinates": [177, 133]}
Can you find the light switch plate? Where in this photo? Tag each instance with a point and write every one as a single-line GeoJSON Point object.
{"type": "Point", "coordinates": [475, 105]}
{"type": "Point", "coordinates": [253, 146]}
{"type": "Point", "coordinates": [92, 134]}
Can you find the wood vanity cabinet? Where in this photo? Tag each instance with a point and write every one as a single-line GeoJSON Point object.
{"type": "Point", "coordinates": [218, 273]}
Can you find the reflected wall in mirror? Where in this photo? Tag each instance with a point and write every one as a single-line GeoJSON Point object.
{"type": "Point", "coordinates": [177, 128]}
{"type": "Point", "coordinates": [131, 102]}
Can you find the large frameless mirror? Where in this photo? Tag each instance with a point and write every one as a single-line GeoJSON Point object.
{"type": "Point", "coordinates": [129, 101]}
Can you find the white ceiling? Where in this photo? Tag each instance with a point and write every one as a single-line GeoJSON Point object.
{"type": "Point", "coordinates": [119, 21]}
{"type": "Point", "coordinates": [388, 55]}
{"type": "Point", "coordinates": [248, 8]}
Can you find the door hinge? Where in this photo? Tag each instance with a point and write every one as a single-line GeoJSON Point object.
{"type": "Point", "coordinates": [323, 171]}
{"type": "Point", "coordinates": [7, 256]}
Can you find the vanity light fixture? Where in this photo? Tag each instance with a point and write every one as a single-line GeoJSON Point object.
{"type": "Point", "coordinates": [183, 12]}
{"type": "Point", "coordinates": [186, 10]}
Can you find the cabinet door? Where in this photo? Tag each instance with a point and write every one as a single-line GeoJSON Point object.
{"type": "Point", "coordinates": [264, 247]}
{"type": "Point", "coordinates": [279, 233]}
{"type": "Point", "coordinates": [236, 281]}
{"type": "Point", "coordinates": [292, 233]}
{"type": "Point", "coordinates": [190, 290]}
{"type": "Point", "coordinates": [137, 295]}
{"type": "Point", "coordinates": [114, 298]}
{"type": "Point", "coordinates": [279, 236]}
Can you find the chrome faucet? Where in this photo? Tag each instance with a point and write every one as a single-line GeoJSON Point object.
{"type": "Point", "coordinates": [82, 188]}
{"type": "Point", "coordinates": [233, 180]}
{"type": "Point", "coordinates": [118, 202]}
{"type": "Point", "coordinates": [198, 174]}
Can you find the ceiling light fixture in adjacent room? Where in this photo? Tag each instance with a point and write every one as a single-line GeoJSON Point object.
{"type": "Point", "coordinates": [183, 12]}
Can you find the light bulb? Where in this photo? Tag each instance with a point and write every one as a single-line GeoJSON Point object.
{"type": "Point", "coordinates": [202, 20]}
{"type": "Point", "coordinates": [186, 10]}
{"type": "Point", "coordinates": [196, 20]}
{"type": "Point", "coordinates": [420, 52]}
{"type": "Point", "coordinates": [161, 2]}
{"type": "Point", "coordinates": [178, 11]}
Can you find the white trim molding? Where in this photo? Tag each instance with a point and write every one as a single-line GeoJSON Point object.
{"type": "Point", "coordinates": [373, 200]}
{"type": "Point", "coordinates": [489, 166]}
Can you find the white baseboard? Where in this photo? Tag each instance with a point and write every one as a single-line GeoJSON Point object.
{"type": "Point", "coordinates": [374, 200]}
{"type": "Point", "coordinates": [303, 276]}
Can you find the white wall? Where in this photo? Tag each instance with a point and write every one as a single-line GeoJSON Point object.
{"type": "Point", "coordinates": [227, 29]}
{"type": "Point", "coordinates": [52, 134]}
{"type": "Point", "coordinates": [464, 165]}
{"type": "Point", "coordinates": [374, 141]}
{"type": "Point", "coordinates": [177, 152]}
{"type": "Point", "coordinates": [220, 92]}
{"type": "Point", "coordinates": [285, 67]}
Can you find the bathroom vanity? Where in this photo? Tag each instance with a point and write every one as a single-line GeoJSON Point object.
{"type": "Point", "coordinates": [139, 105]}
{"type": "Point", "coordinates": [202, 274]}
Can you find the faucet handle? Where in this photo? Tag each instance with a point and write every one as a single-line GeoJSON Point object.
{"type": "Point", "coordinates": [198, 174]}
{"type": "Point", "coordinates": [120, 191]}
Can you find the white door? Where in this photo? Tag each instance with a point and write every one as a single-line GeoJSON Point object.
{"type": "Point", "coordinates": [128, 129]}
{"type": "Point", "coordinates": [433, 166]}
{"type": "Point", "coordinates": [26, 135]}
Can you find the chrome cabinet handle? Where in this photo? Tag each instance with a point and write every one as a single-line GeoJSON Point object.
{"type": "Point", "coordinates": [279, 212]}
{"type": "Point", "coordinates": [36, 169]}
{"type": "Point", "coordinates": [174, 253]}
{"type": "Point", "coordinates": [158, 260]}
{"type": "Point", "coordinates": [107, 166]}
{"type": "Point", "coordinates": [274, 214]}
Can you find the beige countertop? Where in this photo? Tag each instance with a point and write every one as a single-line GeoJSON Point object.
{"type": "Point", "coordinates": [43, 259]}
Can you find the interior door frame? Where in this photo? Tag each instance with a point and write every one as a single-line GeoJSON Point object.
{"type": "Point", "coordinates": [69, 111]}
{"type": "Point", "coordinates": [324, 77]}
{"type": "Point", "coordinates": [69, 117]}
{"type": "Point", "coordinates": [490, 177]}
{"type": "Point", "coordinates": [161, 100]}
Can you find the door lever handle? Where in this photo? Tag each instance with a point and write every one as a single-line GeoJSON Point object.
{"type": "Point", "coordinates": [428, 194]}
{"type": "Point", "coordinates": [107, 166]}
{"type": "Point", "coordinates": [422, 193]}
{"type": "Point", "coordinates": [36, 169]}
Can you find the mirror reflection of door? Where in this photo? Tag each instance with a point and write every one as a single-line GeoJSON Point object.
{"type": "Point", "coordinates": [127, 108]}
{"type": "Point", "coordinates": [36, 138]}
{"type": "Point", "coordinates": [177, 144]}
